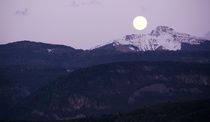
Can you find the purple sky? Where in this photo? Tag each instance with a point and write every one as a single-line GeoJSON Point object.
{"type": "Point", "coordinates": [87, 23]}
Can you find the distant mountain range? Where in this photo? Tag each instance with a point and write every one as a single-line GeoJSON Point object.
{"type": "Point", "coordinates": [161, 40]}
{"type": "Point", "coordinates": [67, 82]}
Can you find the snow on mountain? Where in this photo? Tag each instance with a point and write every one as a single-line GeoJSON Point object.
{"type": "Point", "coordinates": [161, 38]}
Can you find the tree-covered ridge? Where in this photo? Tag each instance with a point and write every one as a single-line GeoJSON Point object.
{"type": "Point", "coordinates": [116, 87]}
{"type": "Point", "coordinates": [190, 111]}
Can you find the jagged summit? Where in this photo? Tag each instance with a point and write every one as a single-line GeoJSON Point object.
{"type": "Point", "coordinates": [162, 29]}
{"type": "Point", "coordinates": [161, 38]}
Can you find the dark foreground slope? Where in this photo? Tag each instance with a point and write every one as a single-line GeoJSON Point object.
{"type": "Point", "coordinates": [117, 87]}
{"type": "Point", "coordinates": [191, 111]}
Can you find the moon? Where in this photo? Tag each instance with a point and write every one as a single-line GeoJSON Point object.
{"type": "Point", "coordinates": [140, 23]}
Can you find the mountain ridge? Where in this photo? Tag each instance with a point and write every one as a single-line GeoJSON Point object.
{"type": "Point", "coordinates": [161, 38]}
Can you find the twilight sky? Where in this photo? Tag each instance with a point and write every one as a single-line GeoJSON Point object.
{"type": "Point", "coordinates": [87, 23]}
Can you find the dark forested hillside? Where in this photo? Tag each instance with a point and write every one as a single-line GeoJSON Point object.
{"type": "Point", "coordinates": [117, 87]}
{"type": "Point", "coordinates": [191, 111]}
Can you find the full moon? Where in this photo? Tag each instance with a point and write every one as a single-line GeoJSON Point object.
{"type": "Point", "coordinates": [140, 23]}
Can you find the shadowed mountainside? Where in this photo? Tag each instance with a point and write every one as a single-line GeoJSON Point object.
{"type": "Point", "coordinates": [117, 87]}
{"type": "Point", "coordinates": [191, 111]}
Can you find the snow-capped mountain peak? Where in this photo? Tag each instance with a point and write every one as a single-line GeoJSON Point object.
{"type": "Point", "coordinates": [161, 38]}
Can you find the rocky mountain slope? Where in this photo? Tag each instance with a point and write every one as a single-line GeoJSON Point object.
{"type": "Point", "coordinates": [161, 38]}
